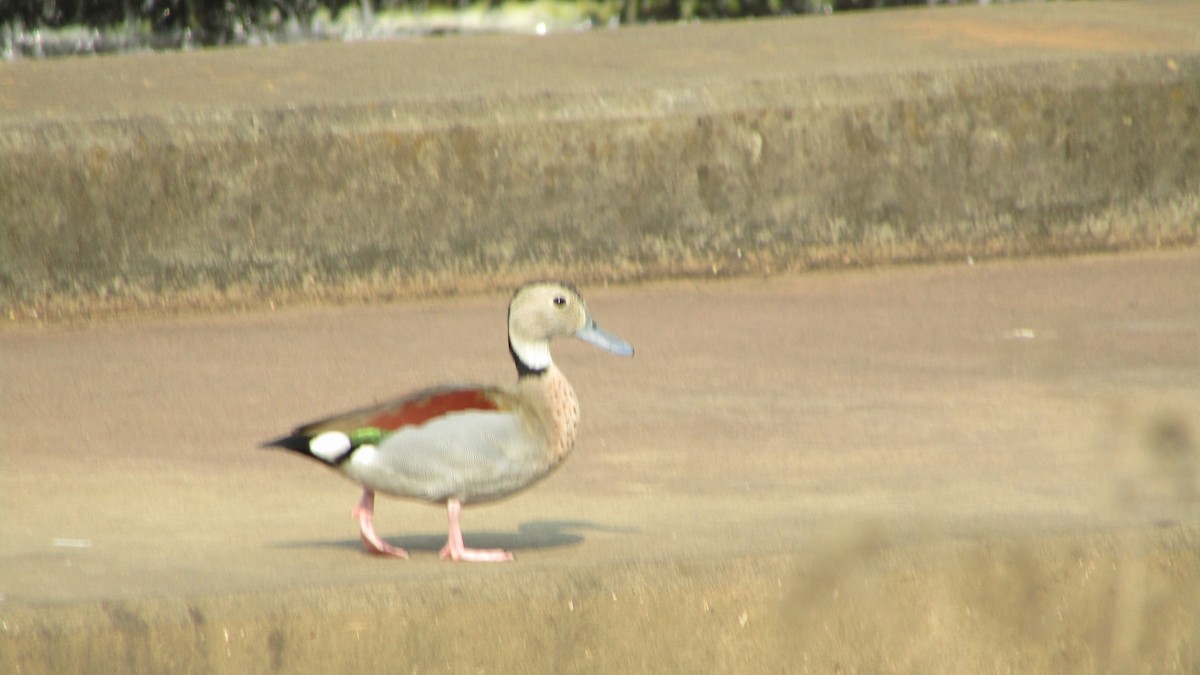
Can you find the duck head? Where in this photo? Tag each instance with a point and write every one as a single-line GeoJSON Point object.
{"type": "Point", "coordinates": [543, 310]}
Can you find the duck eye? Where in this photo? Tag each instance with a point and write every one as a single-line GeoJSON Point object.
{"type": "Point", "coordinates": [560, 300]}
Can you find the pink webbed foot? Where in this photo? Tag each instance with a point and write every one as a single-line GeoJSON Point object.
{"type": "Point", "coordinates": [456, 551]}
{"type": "Point", "coordinates": [364, 513]}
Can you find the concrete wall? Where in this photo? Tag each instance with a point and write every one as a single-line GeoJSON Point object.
{"type": "Point", "coordinates": [859, 605]}
{"type": "Point", "coordinates": [433, 166]}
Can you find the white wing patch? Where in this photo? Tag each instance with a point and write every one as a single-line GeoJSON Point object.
{"type": "Point", "coordinates": [329, 445]}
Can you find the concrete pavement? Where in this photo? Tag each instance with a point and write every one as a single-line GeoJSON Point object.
{"type": "Point", "coordinates": [956, 468]}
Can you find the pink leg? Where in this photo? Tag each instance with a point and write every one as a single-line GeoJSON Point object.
{"type": "Point", "coordinates": [454, 548]}
{"type": "Point", "coordinates": [365, 514]}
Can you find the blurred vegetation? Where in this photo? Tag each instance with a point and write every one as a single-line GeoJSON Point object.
{"type": "Point", "coordinates": [214, 20]}
{"type": "Point", "coordinates": [174, 23]}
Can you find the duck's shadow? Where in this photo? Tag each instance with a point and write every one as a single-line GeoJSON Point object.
{"type": "Point", "coordinates": [530, 535]}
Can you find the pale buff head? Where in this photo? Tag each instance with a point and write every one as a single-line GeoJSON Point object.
{"type": "Point", "coordinates": [543, 310]}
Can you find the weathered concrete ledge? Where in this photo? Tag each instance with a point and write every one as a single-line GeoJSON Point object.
{"type": "Point", "coordinates": [360, 170]}
{"type": "Point", "coordinates": [1101, 603]}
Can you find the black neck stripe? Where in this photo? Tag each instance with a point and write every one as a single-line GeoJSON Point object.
{"type": "Point", "coordinates": [523, 369]}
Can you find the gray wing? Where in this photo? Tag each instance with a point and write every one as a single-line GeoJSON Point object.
{"type": "Point", "coordinates": [473, 456]}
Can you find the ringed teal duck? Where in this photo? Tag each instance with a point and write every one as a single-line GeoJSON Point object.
{"type": "Point", "coordinates": [458, 445]}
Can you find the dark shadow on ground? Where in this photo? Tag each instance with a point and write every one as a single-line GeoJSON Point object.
{"type": "Point", "coordinates": [530, 535]}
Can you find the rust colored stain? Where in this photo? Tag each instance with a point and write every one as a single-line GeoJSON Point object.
{"type": "Point", "coordinates": [975, 32]}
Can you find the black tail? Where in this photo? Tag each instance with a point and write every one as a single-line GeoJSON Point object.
{"type": "Point", "coordinates": [305, 441]}
{"type": "Point", "coordinates": [294, 442]}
